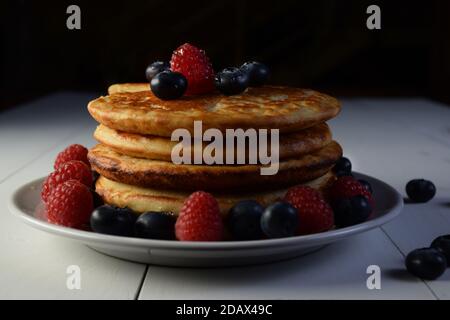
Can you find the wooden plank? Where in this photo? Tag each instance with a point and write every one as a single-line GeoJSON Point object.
{"type": "Point", "coordinates": [396, 141]}
{"type": "Point", "coordinates": [29, 130]}
{"type": "Point", "coordinates": [382, 143]}
{"type": "Point", "coordinates": [424, 116]}
{"type": "Point", "coordinates": [417, 227]}
{"type": "Point", "coordinates": [336, 272]}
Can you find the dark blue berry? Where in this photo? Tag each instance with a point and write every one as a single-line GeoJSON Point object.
{"type": "Point", "coordinates": [442, 244]}
{"type": "Point", "coordinates": [258, 73]}
{"type": "Point", "coordinates": [426, 263]}
{"type": "Point", "coordinates": [343, 165]}
{"type": "Point", "coordinates": [112, 220]}
{"type": "Point", "coordinates": [155, 225]}
{"type": "Point", "coordinates": [155, 68]}
{"type": "Point", "coordinates": [168, 85]}
{"type": "Point", "coordinates": [279, 220]}
{"type": "Point", "coordinates": [244, 220]}
{"type": "Point", "coordinates": [351, 211]}
{"type": "Point", "coordinates": [231, 81]}
{"type": "Point", "coordinates": [366, 185]}
{"type": "Point", "coordinates": [420, 190]}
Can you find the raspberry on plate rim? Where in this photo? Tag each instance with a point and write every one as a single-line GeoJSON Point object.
{"type": "Point", "coordinates": [315, 214]}
{"type": "Point", "coordinates": [70, 204]}
{"type": "Point", "coordinates": [71, 170]}
{"type": "Point", "coordinates": [199, 219]}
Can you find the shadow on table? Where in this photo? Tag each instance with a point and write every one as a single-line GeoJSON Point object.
{"type": "Point", "coordinates": [399, 274]}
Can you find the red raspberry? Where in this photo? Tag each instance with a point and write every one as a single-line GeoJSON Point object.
{"type": "Point", "coordinates": [347, 187]}
{"type": "Point", "coordinates": [199, 219]}
{"type": "Point", "coordinates": [194, 64]}
{"type": "Point", "coordinates": [314, 213]}
{"type": "Point", "coordinates": [70, 204]}
{"type": "Point", "coordinates": [72, 170]}
{"type": "Point", "coordinates": [72, 152]}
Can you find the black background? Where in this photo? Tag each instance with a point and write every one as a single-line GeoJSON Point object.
{"type": "Point", "coordinates": [322, 44]}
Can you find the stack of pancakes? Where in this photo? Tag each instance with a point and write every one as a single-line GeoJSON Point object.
{"type": "Point", "coordinates": [134, 154]}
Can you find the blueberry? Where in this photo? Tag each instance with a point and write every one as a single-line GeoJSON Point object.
{"type": "Point", "coordinates": [112, 220]}
{"type": "Point", "coordinates": [155, 68]}
{"type": "Point", "coordinates": [343, 165]}
{"type": "Point", "coordinates": [258, 73]}
{"type": "Point", "coordinates": [244, 220]}
{"type": "Point", "coordinates": [168, 85]}
{"type": "Point", "coordinates": [231, 81]}
{"type": "Point", "coordinates": [442, 244]}
{"type": "Point", "coordinates": [351, 211]}
{"type": "Point", "coordinates": [155, 225]}
{"type": "Point", "coordinates": [366, 185]}
{"type": "Point", "coordinates": [279, 220]}
{"type": "Point", "coordinates": [420, 190]}
{"type": "Point", "coordinates": [426, 263]}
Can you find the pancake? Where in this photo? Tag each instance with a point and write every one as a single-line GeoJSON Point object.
{"type": "Point", "coordinates": [284, 108]}
{"type": "Point", "coordinates": [143, 199]}
{"type": "Point", "coordinates": [158, 148]}
{"type": "Point", "coordinates": [128, 87]}
{"type": "Point", "coordinates": [166, 175]}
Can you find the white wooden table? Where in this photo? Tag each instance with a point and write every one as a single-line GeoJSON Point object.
{"type": "Point", "coordinates": [392, 139]}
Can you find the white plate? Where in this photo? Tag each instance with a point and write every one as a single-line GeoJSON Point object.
{"type": "Point", "coordinates": [24, 201]}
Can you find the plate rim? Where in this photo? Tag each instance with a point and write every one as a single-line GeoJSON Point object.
{"type": "Point", "coordinates": [97, 238]}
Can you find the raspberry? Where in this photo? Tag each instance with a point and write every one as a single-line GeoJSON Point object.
{"type": "Point", "coordinates": [70, 204]}
{"type": "Point", "coordinates": [314, 213]}
{"type": "Point", "coordinates": [72, 170]}
{"type": "Point", "coordinates": [72, 152]}
{"type": "Point", "coordinates": [199, 219]}
{"type": "Point", "coordinates": [194, 64]}
{"type": "Point", "coordinates": [347, 187]}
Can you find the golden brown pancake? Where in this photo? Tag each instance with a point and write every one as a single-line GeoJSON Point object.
{"type": "Point", "coordinates": [143, 199]}
{"type": "Point", "coordinates": [128, 87]}
{"type": "Point", "coordinates": [284, 108]}
{"type": "Point", "coordinates": [159, 148]}
{"type": "Point", "coordinates": [166, 175]}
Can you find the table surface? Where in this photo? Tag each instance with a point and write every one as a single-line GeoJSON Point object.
{"type": "Point", "coordinates": [394, 140]}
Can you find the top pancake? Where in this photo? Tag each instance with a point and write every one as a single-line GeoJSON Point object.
{"type": "Point", "coordinates": [284, 108]}
{"type": "Point", "coordinates": [128, 87]}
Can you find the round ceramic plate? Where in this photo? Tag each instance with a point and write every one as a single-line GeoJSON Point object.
{"type": "Point", "coordinates": [25, 203]}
